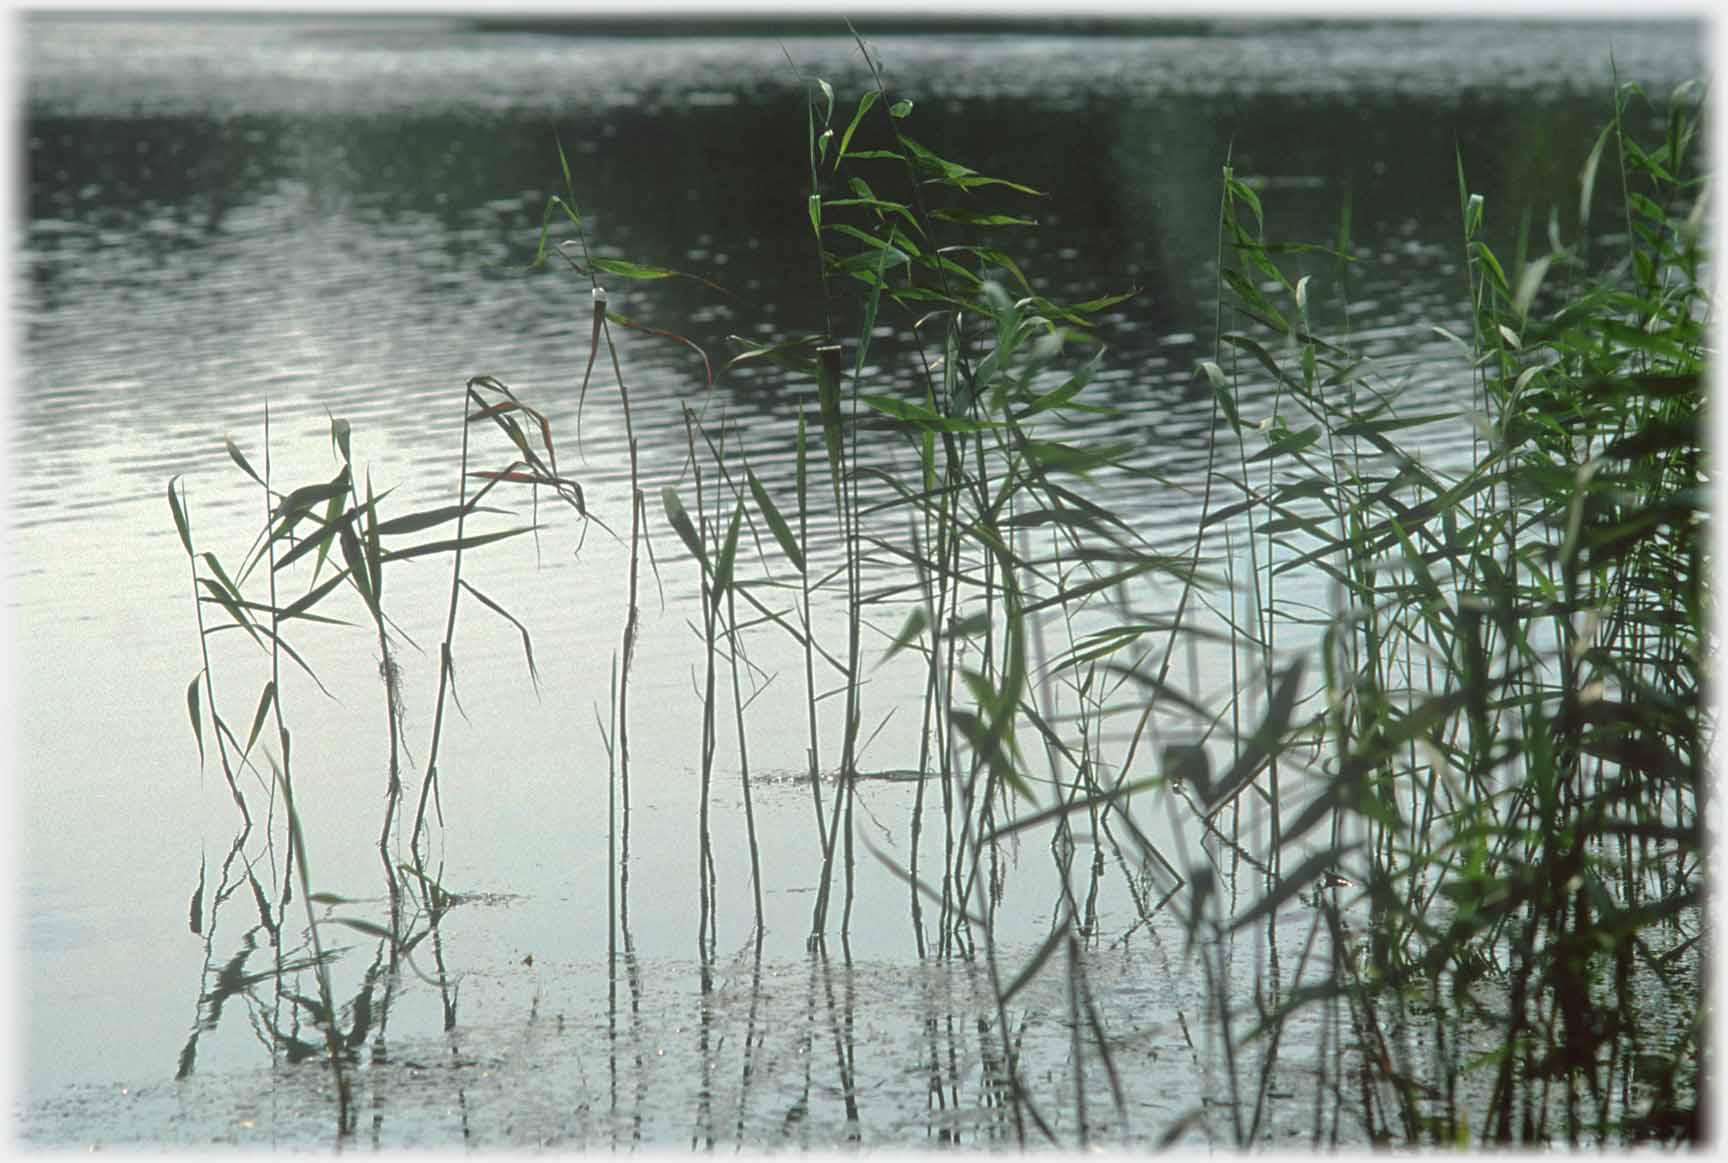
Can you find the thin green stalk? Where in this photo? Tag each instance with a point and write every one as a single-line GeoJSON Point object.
{"type": "Point", "coordinates": [632, 617]}
{"type": "Point", "coordinates": [708, 905]}
{"type": "Point", "coordinates": [813, 751]}
{"type": "Point", "coordinates": [296, 841]}
{"type": "Point", "coordinates": [845, 514]}
{"type": "Point", "coordinates": [446, 664]}
{"type": "Point", "coordinates": [734, 647]}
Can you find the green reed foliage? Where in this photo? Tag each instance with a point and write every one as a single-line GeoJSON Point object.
{"type": "Point", "coordinates": [305, 533]}
{"type": "Point", "coordinates": [900, 237]}
{"type": "Point", "coordinates": [987, 370]}
{"type": "Point", "coordinates": [1509, 751]}
{"type": "Point", "coordinates": [486, 401]}
{"type": "Point", "coordinates": [1467, 734]}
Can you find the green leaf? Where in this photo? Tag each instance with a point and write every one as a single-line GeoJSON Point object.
{"type": "Point", "coordinates": [312, 597]}
{"type": "Point", "coordinates": [779, 354]}
{"type": "Point", "coordinates": [301, 501]}
{"type": "Point", "coordinates": [972, 218]}
{"type": "Point", "coordinates": [415, 522]}
{"type": "Point", "coordinates": [828, 402]}
{"type": "Point", "coordinates": [897, 246]}
{"type": "Point", "coordinates": [970, 626]}
{"type": "Point", "coordinates": [367, 927]}
{"type": "Point", "coordinates": [1240, 192]}
{"type": "Point", "coordinates": [1070, 518]}
{"type": "Point", "coordinates": [1259, 352]}
{"type": "Point", "coordinates": [992, 745]}
{"type": "Point", "coordinates": [1496, 273]}
{"type": "Point", "coordinates": [1054, 456]}
{"type": "Point", "coordinates": [1286, 443]}
{"type": "Point", "coordinates": [995, 258]}
{"type": "Point", "coordinates": [1063, 397]}
{"type": "Point", "coordinates": [1092, 306]}
{"type": "Point", "coordinates": [235, 455]}
{"type": "Point", "coordinates": [319, 539]}
{"type": "Point", "coordinates": [632, 270]}
{"type": "Point", "coordinates": [228, 585]}
{"type": "Point", "coordinates": [916, 623]}
{"type": "Point", "coordinates": [776, 523]}
{"type": "Point", "coordinates": [1261, 746]}
{"type": "Point", "coordinates": [1529, 283]}
{"type": "Point", "coordinates": [900, 109]}
{"type": "Point", "coordinates": [800, 476]}
{"type": "Point", "coordinates": [871, 265]}
{"type": "Point", "coordinates": [331, 511]}
{"type": "Point", "coordinates": [938, 169]}
{"type": "Point", "coordinates": [353, 557]}
{"type": "Point", "coordinates": [883, 208]}
{"type": "Point", "coordinates": [473, 542]}
{"type": "Point", "coordinates": [1587, 179]}
{"type": "Point", "coordinates": [374, 556]}
{"type": "Point", "coordinates": [180, 525]}
{"type": "Point", "coordinates": [264, 701]}
{"type": "Point", "coordinates": [340, 433]}
{"type": "Point", "coordinates": [196, 716]}
{"type": "Point", "coordinates": [295, 656]}
{"type": "Point", "coordinates": [228, 603]}
{"type": "Point", "coordinates": [682, 525]}
{"type": "Point", "coordinates": [527, 642]}
{"type": "Point", "coordinates": [564, 165]}
{"type": "Point", "coordinates": [1256, 302]}
{"type": "Point", "coordinates": [864, 104]}
{"type": "Point", "coordinates": [728, 554]}
{"type": "Point", "coordinates": [1221, 391]}
{"type": "Point", "coordinates": [1371, 427]}
{"type": "Point", "coordinates": [923, 415]}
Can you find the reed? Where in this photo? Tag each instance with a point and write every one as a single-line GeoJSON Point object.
{"type": "Point", "coordinates": [304, 529]}
{"type": "Point", "coordinates": [1492, 683]}
{"type": "Point", "coordinates": [1461, 743]}
{"type": "Point", "coordinates": [728, 584]}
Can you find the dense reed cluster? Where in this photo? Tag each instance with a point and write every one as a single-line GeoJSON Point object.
{"type": "Point", "coordinates": [1463, 742]}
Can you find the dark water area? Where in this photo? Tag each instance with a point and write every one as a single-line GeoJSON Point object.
{"type": "Point", "coordinates": [335, 216]}
{"type": "Point", "coordinates": [371, 195]}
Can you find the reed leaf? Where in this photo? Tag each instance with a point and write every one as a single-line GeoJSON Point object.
{"type": "Point", "coordinates": [776, 522]}
{"type": "Point", "coordinates": [728, 555]}
{"type": "Point", "coordinates": [527, 642]}
{"type": "Point", "coordinates": [265, 700]}
{"type": "Point", "coordinates": [682, 525]}
{"type": "Point", "coordinates": [196, 715]}
{"type": "Point", "coordinates": [449, 546]}
{"type": "Point", "coordinates": [180, 524]}
{"type": "Point", "coordinates": [239, 458]}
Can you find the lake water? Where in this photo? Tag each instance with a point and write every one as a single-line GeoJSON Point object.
{"type": "Point", "coordinates": [334, 217]}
